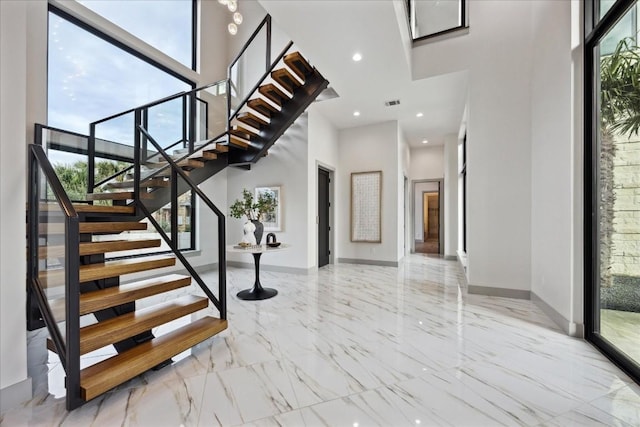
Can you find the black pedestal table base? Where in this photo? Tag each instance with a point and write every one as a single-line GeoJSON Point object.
{"type": "Point", "coordinates": [258, 292]}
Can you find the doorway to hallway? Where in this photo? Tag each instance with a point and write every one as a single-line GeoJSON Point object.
{"type": "Point", "coordinates": [428, 217]}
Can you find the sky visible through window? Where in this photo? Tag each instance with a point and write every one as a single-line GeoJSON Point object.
{"type": "Point", "coordinates": [165, 25]}
{"type": "Point", "coordinates": [89, 79]}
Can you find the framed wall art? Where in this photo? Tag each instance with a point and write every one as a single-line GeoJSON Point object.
{"type": "Point", "coordinates": [366, 207]}
{"type": "Point", "coordinates": [272, 221]}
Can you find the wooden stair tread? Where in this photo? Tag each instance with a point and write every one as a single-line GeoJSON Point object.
{"type": "Point", "coordinates": [262, 106]}
{"type": "Point", "coordinates": [114, 227]}
{"type": "Point", "coordinates": [286, 79]}
{"type": "Point", "coordinates": [147, 183]}
{"type": "Point", "coordinates": [93, 301]}
{"type": "Point", "coordinates": [268, 90]}
{"type": "Point", "coordinates": [252, 118]}
{"type": "Point", "coordinates": [221, 149]}
{"type": "Point", "coordinates": [123, 266]}
{"type": "Point", "coordinates": [107, 269]}
{"type": "Point", "coordinates": [298, 64]}
{"type": "Point", "coordinates": [92, 248]}
{"type": "Point", "coordinates": [273, 92]}
{"type": "Point", "coordinates": [105, 375]}
{"type": "Point", "coordinates": [110, 297]}
{"type": "Point", "coordinates": [238, 142]}
{"type": "Point", "coordinates": [118, 195]}
{"type": "Point", "coordinates": [114, 330]}
{"type": "Point", "coordinates": [94, 227]}
{"type": "Point", "coordinates": [243, 130]}
{"type": "Point", "coordinates": [191, 163]}
{"type": "Point", "coordinates": [83, 208]}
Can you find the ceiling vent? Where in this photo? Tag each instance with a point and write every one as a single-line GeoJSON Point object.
{"type": "Point", "coordinates": [392, 103]}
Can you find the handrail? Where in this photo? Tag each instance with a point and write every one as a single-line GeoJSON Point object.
{"type": "Point", "coordinates": [69, 347]}
{"type": "Point", "coordinates": [159, 101]}
{"type": "Point", "coordinates": [211, 141]}
{"type": "Point", "coordinates": [128, 168]}
{"type": "Point", "coordinates": [176, 170]}
{"type": "Point", "coordinates": [266, 20]}
{"type": "Point", "coordinates": [54, 181]}
{"type": "Point", "coordinates": [261, 79]}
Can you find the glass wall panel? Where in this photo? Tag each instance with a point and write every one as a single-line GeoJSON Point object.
{"type": "Point", "coordinates": [429, 17]}
{"type": "Point", "coordinates": [90, 79]}
{"type": "Point", "coordinates": [617, 61]}
{"type": "Point", "coordinates": [165, 25]}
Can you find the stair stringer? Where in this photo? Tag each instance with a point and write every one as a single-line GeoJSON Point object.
{"type": "Point", "coordinates": [303, 96]}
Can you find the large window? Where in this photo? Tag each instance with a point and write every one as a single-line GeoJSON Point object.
{"type": "Point", "coordinates": [430, 18]}
{"type": "Point", "coordinates": [167, 25]}
{"type": "Point", "coordinates": [612, 187]}
{"type": "Point", "coordinates": [91, 77]}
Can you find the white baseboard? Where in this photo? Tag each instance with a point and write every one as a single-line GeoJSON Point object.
{"type": "Point", "coordinates": [570, 328]}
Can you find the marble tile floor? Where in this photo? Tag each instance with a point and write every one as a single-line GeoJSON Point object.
{"type": "Point", "coordinates": [622, 329]}
{"type": "Point", "coordinates": [355, 346]}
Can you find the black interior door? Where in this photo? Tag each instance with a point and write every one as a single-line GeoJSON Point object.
{"type": "Point", "coordinates": [323, 217]}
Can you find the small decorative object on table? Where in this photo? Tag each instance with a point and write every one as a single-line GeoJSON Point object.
{"type": "Point", "coordinates": [254, 210]}
{"type": "Point", "coordinates": [271, 241]}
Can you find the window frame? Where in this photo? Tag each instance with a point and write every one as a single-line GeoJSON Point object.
{"type": "Point", "coordinates": [594, 33]}
{"type": "Point", "coordinates": [86, 26]}
{"type": "Point", "coordinates": [462, 27]}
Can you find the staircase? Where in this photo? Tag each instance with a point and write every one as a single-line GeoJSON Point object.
{"type": "Point", "coordinates": [73, 285]}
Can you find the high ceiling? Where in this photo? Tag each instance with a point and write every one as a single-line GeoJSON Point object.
{"type": "Point", "coordinates": [330, 32]}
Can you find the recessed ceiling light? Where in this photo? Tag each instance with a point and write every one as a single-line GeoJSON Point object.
{"type": "Point", "coordinates": [424, 141]}
{"type": "Point", "coordinates": [356, 57]}
{"type": "Point", "coordinates": [356, 113]}
{"type": "Point", "coordinates": [419, 115]}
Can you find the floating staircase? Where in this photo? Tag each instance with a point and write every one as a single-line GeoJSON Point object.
{"type": "Point", "coordinates": [109, 308]}
{"type": "Point", "coordinates": [119, 322]}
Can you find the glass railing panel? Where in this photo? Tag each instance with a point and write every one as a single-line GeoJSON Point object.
{"type": "Point", "coordinates": [67, 153]}
{"type": "Point", "coordinates": [168, 121]}
{"type": "Point", "coordinates": [431, 17]}
{"type": "Point", "coordinates": [186, 210]}
{"type": "Point", "coordinates": [51, 250]}
{"type": "Point", "coordinates": [249, 68]}
{"type": "Point", "coordinates": [211, 111]}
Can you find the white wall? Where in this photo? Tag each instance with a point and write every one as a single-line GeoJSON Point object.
{"type": "Point", "coordinates": [361, 149]}
{"type": "Point", "coordinates": [552, 155]}
{"type": "Point", "coordinates": [213, 42]}
{"type": "Point", "coordinates": [323, 151]}
{"type": "Point", "coordinates": [427, 162]}
{"type": "Point", "coordinates": [13, 154]}
{"type": "Point", "coordinates": [451, 195]}
{"type": "Point", "coordinates": [286, 167]}
{"type": "Point", "coordinates": [499, 137]}
{"type": "Point", "coordinates": [404, 165]}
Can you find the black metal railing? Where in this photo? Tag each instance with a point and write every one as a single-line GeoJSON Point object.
{"type": "Point", "coordinates": [45, 272]}
{"type": "Point", "coordinates": [176, 171]}
{"type": "Point", "coordinates": [269, 66]}
{"type": "Point", "coordinates": [233, 83]}
{"type": "Point", "coordinates": [141, 116]}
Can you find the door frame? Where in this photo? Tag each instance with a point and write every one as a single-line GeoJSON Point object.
{"type": "Point", "coordinates": [332, 222]}
{"type": "Point", "coordinates": [440, 182]}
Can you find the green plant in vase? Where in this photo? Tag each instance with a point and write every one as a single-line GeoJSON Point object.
{"type": "Point", "coordinates": [254, 210]}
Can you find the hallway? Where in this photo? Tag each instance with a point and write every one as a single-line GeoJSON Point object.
{"type": "Point", "coordinates": [360, 345]}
